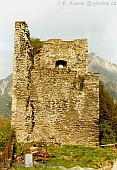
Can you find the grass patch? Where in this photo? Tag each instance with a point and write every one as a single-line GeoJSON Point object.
{"type": "Point", "coordinates": [70, 156]}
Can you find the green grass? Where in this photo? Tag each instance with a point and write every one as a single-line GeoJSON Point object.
{"type": "Point", "coordinates": [70, 156]}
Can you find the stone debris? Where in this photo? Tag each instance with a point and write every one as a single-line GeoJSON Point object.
{"type": "Point", "coordinates": [33, 149]}
{"type": "Point", "coordinates": [75, 168]}
{"type": "Point", "coordinates": [115, 166]}
{"type": "Point", "coordinates": [19, 158]}
{"type": "Point", "coordinates": [39, 154]}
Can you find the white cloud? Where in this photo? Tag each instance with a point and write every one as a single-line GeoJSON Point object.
{"type": "Point", "coordinates": [111, 30]}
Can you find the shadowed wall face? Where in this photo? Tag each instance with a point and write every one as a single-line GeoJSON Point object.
{"type": "Point", "coordinates": [55, 99]}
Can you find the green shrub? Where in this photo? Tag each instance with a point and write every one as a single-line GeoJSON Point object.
{"type": "Point", "coordinates": [36, 44]}
{"type": "Point", "coordinates": [5, 132]}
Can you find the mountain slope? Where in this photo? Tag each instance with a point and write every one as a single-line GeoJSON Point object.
{"type": "Point", "coordinates": [108, 73]}
{"type": "Point", "coordinates": [5, 96]}
{"type": "Point", "coordinates": [6, 86]}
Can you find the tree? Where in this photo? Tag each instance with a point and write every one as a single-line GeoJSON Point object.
{"type": "Point", "coordinates": [107, 134]}
{"type": "Point", "coordinates": [108, 117]}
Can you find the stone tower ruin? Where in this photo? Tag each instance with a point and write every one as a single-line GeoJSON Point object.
{"type": "Point", "coordinates": [55, 99]}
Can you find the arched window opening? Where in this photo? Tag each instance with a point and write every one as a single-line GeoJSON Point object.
{"type": "Point", "coordinates": [61, 63]}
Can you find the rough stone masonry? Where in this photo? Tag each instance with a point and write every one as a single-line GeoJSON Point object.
{"type": "Point", "coordinates": [55, 99]}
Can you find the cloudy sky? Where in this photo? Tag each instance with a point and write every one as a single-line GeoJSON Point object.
{"type": "Point", "coordinates": [68, 20]}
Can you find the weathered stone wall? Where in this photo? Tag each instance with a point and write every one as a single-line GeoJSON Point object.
{"type": "Point", "coordinates": [73, 52]}
{"type": "Point", "coordinates": [21, 76]}
{"type": "Point", "coordinates": [52, 104]}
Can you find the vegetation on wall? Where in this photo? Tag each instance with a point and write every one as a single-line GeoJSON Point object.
{"type": "Point", "coordinates": [79, 82]}
{"type": "Point", "coordinates": [36, 44]}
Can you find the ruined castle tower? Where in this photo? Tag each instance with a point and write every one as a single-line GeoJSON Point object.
{"type": "Point", "coordinates": [55, 99]}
